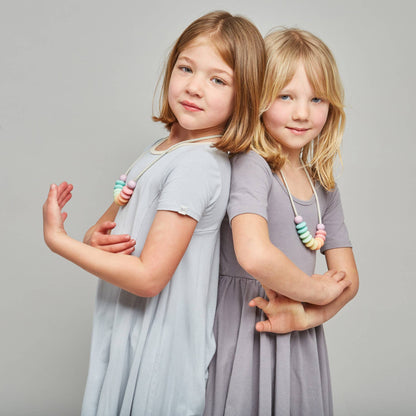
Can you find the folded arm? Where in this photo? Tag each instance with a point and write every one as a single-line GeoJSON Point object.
{"type": "Point", "coordinates": [145, 275]}
{"type": "Point", "coordinates": [286, 315]}
{"type": "Point", "coordinates": [273, 269]}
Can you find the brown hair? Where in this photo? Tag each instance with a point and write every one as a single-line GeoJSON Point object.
{"type": "Point", "coordinates": [285, 49]}
{"type": "Point", "coordinates": [241, 46]}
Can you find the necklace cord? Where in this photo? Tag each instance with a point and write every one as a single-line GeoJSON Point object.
{"type": "Point", "coordinates": [175, 146]}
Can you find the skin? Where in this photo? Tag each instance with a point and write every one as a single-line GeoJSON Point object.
{"type": "Point", "coordinates": [199, 83]}
{"type": "Point", "coordinates": [294, 119]}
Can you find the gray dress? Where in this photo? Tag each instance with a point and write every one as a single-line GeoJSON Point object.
{"type": "Point", "coordinates": [268, 374]}
{"type": "Point", "coordinates": [150, 356]}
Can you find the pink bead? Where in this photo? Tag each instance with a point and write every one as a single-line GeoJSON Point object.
{"type": "Point", "coordinates": [131, 184]}
{"type": "Point", "coordinates": [320, 227]}
{"type": "Point", "coordinates": [321, 232]}
{"type": "Point", "coordinates": [123, 178]}
{"type": "Point", "coordinates": [127, 190]}
{"type": "Point", "coordinates": [124, 196]}
{"type": "Point", "coordinates": [298, 219]}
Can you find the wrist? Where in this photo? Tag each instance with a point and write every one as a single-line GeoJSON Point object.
{"type": "Point", "coordinates": [55, 240]}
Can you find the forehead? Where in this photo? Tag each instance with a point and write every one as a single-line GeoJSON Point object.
{"type": "Point", "coordinates": [202, 50]}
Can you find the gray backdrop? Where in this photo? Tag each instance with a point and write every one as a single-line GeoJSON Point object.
{"type": "Point", "coordinates": [76, 89]}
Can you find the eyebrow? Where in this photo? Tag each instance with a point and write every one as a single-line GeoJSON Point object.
{"type": "Point", "coordinates": [216, 70]}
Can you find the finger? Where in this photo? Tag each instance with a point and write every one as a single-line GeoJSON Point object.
{"type": "Point", "coordinates": [64, 193]}
{"type": "Point", "coordinates": [263, 326]}
{"type": "Point", "coordinates": [260, 302]}
{"type": "Point", "coordinates": [116, 248]}
{"type": "Point", "coordinates": [129, 251]}
{"type": "Point", "coordinates": [109, 239]}
{"type": "Point", "coordinates": [270, 293]}
{"type": "Point", "coordinates": [345, 283]}
{"type": "Point", "coordinates": [64, 216]}
{"type": "Point", "coordinates": [106, 226]}
{"type": "Point", "coordinates": [330, 273]}
{"type": "Point", "coordinates": [338, 276]}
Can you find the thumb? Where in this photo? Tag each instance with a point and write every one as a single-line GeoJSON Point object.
{"type": "Point", "coordinates": [264, 326]}
{"type": "Point", "coordinates": [106, 226]}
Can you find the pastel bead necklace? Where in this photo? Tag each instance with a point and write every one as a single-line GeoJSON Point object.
{"type": "Point", "coordinates": [123, 191]}
{"type": "Point", "coordinates": [313, 243]}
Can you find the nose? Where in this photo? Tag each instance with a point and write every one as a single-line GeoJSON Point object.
{"type": "Point", "coordinates": [194, 86]}
{"type": "Point", "coordinates": [300, 111]}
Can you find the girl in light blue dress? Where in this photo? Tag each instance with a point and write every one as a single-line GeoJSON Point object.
{"type": "Point", "coordinates": [153, 328]}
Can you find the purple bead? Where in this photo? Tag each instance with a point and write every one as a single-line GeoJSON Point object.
{"type": "Point", "coordinates": [131, 184]}
{"type": "Point", "coordinates": [298, 219]}
{"type": "Point", "coordinates": [123, 178]}
{"type": "Point", "coordinates": [320, 227]}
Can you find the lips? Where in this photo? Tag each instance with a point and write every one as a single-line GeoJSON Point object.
{"type": "Point", "coordinates": [297, 130]}
{"type": "Point", "coordinates": [190, 106]}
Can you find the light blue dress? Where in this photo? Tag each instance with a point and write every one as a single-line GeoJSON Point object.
{"type": "Point", "coordinates": [150, 356]}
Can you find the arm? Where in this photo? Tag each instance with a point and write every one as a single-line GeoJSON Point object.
{"type": "Point", "coordinates": [285, 315]}
{"type": "Point", "coordinates": [273, 269]}
{"type": "Point", "coordinates": [146, 275]}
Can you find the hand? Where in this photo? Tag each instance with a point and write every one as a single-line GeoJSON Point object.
{"type": "Point", "coordinates": [284, 314]}
{"type": "Point", "coordinates": [53, 217]}
{"type": "Point", "coordinates": [100, 237]}
{"type": "Point", "coordinates": [331, 285]}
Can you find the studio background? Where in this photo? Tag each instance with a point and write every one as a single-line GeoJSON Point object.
{"type": "Point", "coordinates": [77, 80]}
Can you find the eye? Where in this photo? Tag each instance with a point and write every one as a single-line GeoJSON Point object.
{"type": "Point", "coordinates": [185, 68]}
{"type": "Point", "coordinates": [316, 100]}
{"type": "Point", "coordinates": [284, 97]}
{"type": "Point", "coordinates": [218, 81]}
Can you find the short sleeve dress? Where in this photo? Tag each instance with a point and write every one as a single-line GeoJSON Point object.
{"type": "Point", "coordinates": [150, 356]}
{"type": "Point", "coordinates": [266, 374]}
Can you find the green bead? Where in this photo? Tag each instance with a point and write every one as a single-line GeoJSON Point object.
{"type": "Point", "coordinates": [301, 225]}
{"type": "Point", "coordinates": [302, 230]}
{"type": "Point", "coordinates": [306, 239]}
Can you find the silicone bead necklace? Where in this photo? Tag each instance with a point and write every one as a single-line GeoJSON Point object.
{"type": "Point", "coordinates": [313, 243]}
{"type": "Point", "coordinates": [123, 191]}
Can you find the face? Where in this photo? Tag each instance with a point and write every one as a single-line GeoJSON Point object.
{"type": "Point", "coordinates": [201, 90]}
{"type": "Point", "coordinates": [297, 116]}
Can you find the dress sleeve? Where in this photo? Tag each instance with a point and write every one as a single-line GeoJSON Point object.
{"type": "Point", "coordinates": [333, 218]}
{"type": "Point", "coordinates": [250, 185]}
{"type": "Point", "coordinates": [192, 183]}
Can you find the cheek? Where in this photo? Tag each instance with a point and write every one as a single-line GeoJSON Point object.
{"type": "Point", "coordinates": [321, 117]}
{"type": "Point", "coordinates": [274, 117]}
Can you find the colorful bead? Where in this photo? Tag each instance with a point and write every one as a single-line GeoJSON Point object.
{"type": "Point", "coordinates": [298, 219]}
{"type": "Point", "coordinates": [123, 192]}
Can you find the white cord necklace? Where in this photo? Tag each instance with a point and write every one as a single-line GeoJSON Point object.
{"type": "Point", "coordinates": [313, 243]}
{"type": "Point", "coordinates": [123, 191]}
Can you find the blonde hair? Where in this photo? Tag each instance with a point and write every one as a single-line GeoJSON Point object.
{"type": "Point", "coordinates": [241, 46]}
{"type": "Point", "coordinates": [285, 49]}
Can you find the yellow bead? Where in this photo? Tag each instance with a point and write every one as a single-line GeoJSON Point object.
{"type": "Point", "coordinates": [310, 243]}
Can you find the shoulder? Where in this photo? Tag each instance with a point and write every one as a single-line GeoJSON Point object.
{"type": "Point", "coordinates": [200, 164]}
{"type": "Point", "coordinates": [250, 165]}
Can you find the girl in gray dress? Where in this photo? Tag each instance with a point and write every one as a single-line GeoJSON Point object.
{"type": "Point", "coordinates": [284, 206]}
{"type": "Point", "coordinates": [153, 328]}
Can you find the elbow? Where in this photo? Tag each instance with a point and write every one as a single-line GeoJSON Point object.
{"type": "Point", "coordinates": [151, 286]}
{"type": "Point", "coordinates": [251, 261]}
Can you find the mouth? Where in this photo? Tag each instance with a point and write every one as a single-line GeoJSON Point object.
{"type": "Point", "coordinates": [297, 130]}
{"type": "Point", "coordinates": [190, 106]}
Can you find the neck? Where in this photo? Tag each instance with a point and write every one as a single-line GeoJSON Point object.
{"type": "Point", "coordinates": [179, 134]}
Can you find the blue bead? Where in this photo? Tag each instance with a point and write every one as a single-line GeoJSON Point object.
{"type": "Point", "coordinates": [302, 230]}
{"type": "Point", "coordinates": [301, 225]}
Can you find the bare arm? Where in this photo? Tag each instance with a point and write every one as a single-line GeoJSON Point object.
{"type": "Point", "coordinates": [273, 269]}
{"type": "Point", "coordinates": [285, 315]}
{"type": "Point", "coordinates": [146, 275]}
